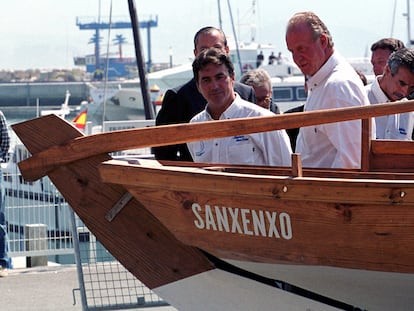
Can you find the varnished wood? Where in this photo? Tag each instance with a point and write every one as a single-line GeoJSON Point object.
{"type": "Point", "coordinates": [133, 232]}
{"type": "Point", "coordinates": [65, 152]}
{"type": "Point", "coordinates": [359, 224]}
{"type": "Point", "coordinates": [345, 221]}
{"type": "Point", "coordinates": [339, 189]}
{"type": "Point", "coordinates": [392, 156]}
{"type": "Point", "coordinates": [384, 147]}
{"type": "Point", "coordinates": [366, 144]}
{"type": "Point", "coordinates": [296, 165]}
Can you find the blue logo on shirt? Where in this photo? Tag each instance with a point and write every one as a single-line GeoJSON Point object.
{"type": "Point", "coordinates": [240, 138]}
{"type": "Point", "coordinates": [202, 150]}
{"type": "Point", "coordinates": [402, 131]}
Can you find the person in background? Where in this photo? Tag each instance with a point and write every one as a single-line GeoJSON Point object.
{"type": "Point", "coordinates": [261, 82]}
{"type": "Point", "coordinates": [183, 102]}
{"type": "Point", "coordinates": [381, 51]}
{"type": "Point", "coordinates": [214, 75]}
{"type": "Point", "coordinates": [396, 83]}
{"type": "Point", "coordinates": [5, 260]}
{"type": "Point", "coordinates": [362, 77]}
{"type": "Point", "coordinates": [260, 59]}
{"type": "Point", "coordinates": [332, 83]}
{"type": "Point", "coordinates": [272, 58]}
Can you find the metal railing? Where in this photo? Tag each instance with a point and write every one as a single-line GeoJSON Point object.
{"type": "Point", "coordinates": [42, 227]}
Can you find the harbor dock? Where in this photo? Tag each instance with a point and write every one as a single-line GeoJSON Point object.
{"type": "Point", "coordinates": [50, 288]}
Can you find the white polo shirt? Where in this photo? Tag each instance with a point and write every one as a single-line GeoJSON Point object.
{"type": "Point", "coordinates": [394, 126]}
{"type": "Point", "coordinates": [333, 145]}
{"type": "Point", "coordinates": [267, 148]}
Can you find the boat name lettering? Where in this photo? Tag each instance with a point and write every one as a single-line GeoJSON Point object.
{"type": "Point", "coordinates": [243, 221]}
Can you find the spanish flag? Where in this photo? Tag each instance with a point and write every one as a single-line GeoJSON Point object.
{"type": "Point", "coordinates": [80, 119]}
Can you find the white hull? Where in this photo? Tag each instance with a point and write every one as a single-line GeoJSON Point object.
{"type": "Point", "coordinates": [218, 290]}
{"type": "Point", "coordinates": [370, 290]}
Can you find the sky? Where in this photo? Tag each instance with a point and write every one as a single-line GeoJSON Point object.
{"type": "Point", "coordinates": [43, 34]}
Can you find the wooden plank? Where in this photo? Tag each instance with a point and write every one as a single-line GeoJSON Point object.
{"type": "Point", "coordinates": [296, 165]}
{"type": "Point", "coordinates": [384, 147]}
{"type": "Point", "coordinates": [392, 156]}
{"type": "Point", "coordinates": [366, 237]}
{"type": "Point", "coordinates": [333, 190]}
{"type": "Point", "coordinates": [41, 163]}
{"type": "Point", "coordinates": [365, 144]}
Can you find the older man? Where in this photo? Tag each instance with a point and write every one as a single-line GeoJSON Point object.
{"type": "Point", "coordinates": [332, 83]}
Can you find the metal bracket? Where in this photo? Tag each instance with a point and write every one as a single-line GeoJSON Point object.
{"type": "Point", "coordinates": [116, 209]}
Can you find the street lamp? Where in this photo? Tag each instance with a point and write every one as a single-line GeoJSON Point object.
{"type": "Point", "coordinates": [170, 52]}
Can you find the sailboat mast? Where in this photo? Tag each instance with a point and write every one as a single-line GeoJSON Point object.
{"type": "Point", "coordinates": [148, 107]}
{"type": "Point", "coordinates": [219, 14]}
{"type": "Point", "coordinates": [235, 36]}
{"type": "Point", "coordinates": [408, 24]}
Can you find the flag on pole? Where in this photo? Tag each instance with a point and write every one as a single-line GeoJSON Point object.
{"type": "Point", "coordinates": [80, 119]}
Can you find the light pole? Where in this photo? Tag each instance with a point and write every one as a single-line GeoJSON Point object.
{"type": "Point", "coordinates": [170, 52]}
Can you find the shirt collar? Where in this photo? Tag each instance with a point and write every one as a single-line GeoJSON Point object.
{"type": "Point", "coordinates": [378, 92]}
{"type": "Point", "coordinates": [324, 72]}
{"type": "Point", "coordinates": [229, 112]}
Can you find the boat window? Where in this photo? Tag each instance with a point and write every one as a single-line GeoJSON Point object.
{"type": "Point", "coordinates": [22, 154]}
{"type": "Point", "coordinates": [281, 94]}
{"type": "Point", "coordinates": [23, 181]}
{"type": "Point", "coordinates": [7, 178]}
{"type": "Point", "coordinates": [300, 93]}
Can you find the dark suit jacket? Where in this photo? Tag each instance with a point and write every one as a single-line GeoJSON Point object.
{"type": "Point", "coordinates": [180, 105]}
{"type": "Point", "coordinates": [293, 133]}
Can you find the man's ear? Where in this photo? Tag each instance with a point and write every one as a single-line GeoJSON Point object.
{"type": "Point", "coordinates": [387, 70]}
{"type": "Point", "coordinates": [324, 40]}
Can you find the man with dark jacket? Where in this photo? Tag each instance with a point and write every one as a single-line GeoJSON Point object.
{"type": "Point", "coordinates": [184, 102]}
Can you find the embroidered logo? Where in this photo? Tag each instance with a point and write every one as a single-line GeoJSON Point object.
{"type": "Point", "coordinates": [240, 138]}
{"type": "Point", "coordinates": [202, 150]}
{"type": "Point", "coordinates": [402, 131]}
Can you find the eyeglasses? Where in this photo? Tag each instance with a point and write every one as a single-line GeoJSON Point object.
{"type": "Point", "coordinates": [266, 100]}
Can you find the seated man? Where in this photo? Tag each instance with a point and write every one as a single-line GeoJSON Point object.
{"type": "Point", "coordinates": [214, 75]}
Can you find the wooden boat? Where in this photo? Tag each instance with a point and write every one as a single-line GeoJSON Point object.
{"type": "Point", "coordinates": [223, 237]}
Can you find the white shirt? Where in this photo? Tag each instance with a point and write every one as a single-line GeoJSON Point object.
{"type": "Point", "coordinates": [394, 126]}
{"type": "Point", "coordinates": [333, 145]}
{"type": "Point", "coordinates": [267, 148]}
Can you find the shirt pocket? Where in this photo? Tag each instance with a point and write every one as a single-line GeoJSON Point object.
{"type": "Point", "coordinates": [242, 153]}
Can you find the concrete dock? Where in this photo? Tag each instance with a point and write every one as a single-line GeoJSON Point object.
{"type": "Point", "coordinates": [49, 288]}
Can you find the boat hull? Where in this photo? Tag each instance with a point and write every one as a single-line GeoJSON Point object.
{"type": "Point", "coordinates": [351, 245]}
{"type": "Point", "coordinates": [298, 240]}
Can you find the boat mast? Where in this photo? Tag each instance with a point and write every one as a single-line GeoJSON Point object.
{"type": "Point", "coordinates": [235, 36]}
{"type": "Point", "coordinates": [148, 107]}
{"type": "Point", "coordinates": [408, 24]}
{"type": "Point", "coordinates": [219, 15]}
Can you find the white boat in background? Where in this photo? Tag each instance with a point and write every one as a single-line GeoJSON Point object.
{"type": "Point", "coordinates": [288, 92]}
{"type": "Point", "coordinates": [113, 104]}
{"type": "Point", "coordinates": [64, 110]}
{"type": "Point", "coordinates": [123, 97]}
